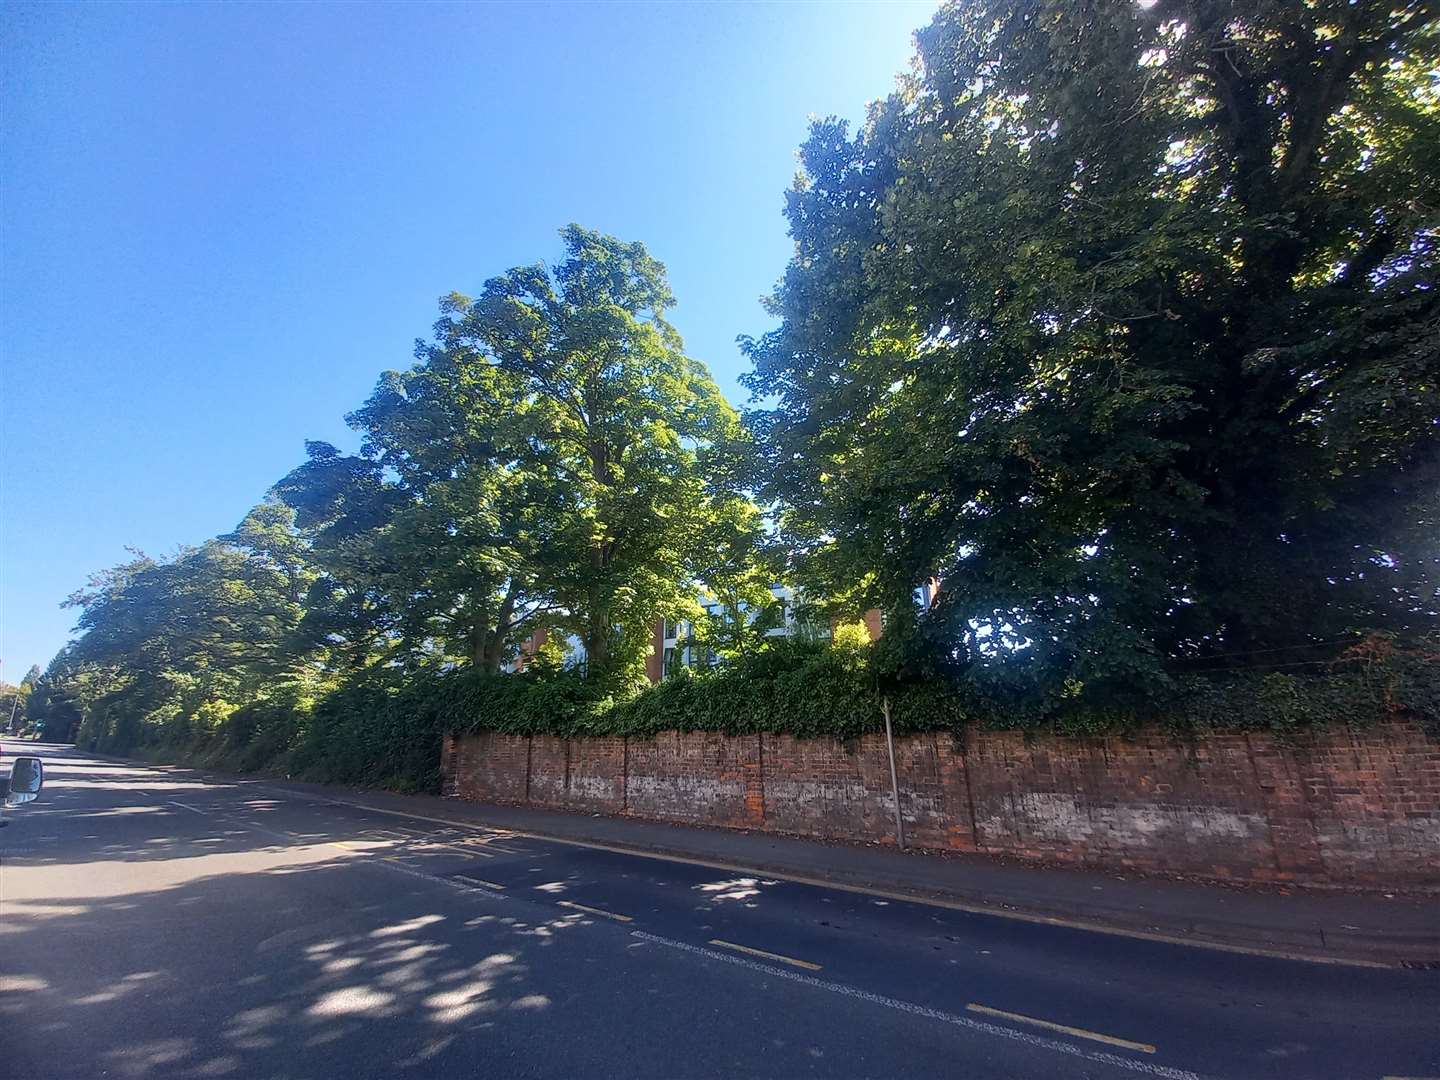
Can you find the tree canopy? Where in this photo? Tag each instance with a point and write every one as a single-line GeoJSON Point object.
{"type": "Point", "coordinates": [553, 459]}
{"type": "Point", "coordinates": [1121, 321]}
{"type": "Point", "coordinates": [622, 426]}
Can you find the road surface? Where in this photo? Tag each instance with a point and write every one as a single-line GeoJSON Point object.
{"type": "Point", "coordinates": [153, 923]}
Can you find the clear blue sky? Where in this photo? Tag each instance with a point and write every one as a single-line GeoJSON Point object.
{"type": "Point", "coordinates": [222, 222]}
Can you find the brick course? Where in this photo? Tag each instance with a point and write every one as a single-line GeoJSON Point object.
{"type": "Point", "coordinates": [696, 776]}
{"type": "Point", "coordinates": [1337, 806]}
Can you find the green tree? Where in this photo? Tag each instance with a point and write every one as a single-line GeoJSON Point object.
{"type": "Point", "coordinates": [479, 525]}
{"type": "Point", "coordinates": [169, 643]}
{"type": "Point", "coordinates": [736, 570]}
{"type": "Point", "coordinates": [14, 701]}
{"type": "Point", "coordinates": [340, 503]}
{"type": "Point", "coordinates": [633, 434]}
{"type": "Point", "coordinates": [552, 459]}
{"type": "Point", "coordinates": [435, 538]}
{"type": "Point", "coordinates": [1122, 321]}
{"type": "Point", "coordinates": [53, 710]}
{"type": "Point", "coordinates": [12, 707]}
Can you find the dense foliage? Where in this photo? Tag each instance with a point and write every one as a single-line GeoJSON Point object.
{"type": "Point", "coordinates": [1121, 321]}
{"type": "Point", "coordinates": [385, 727]}
{"type": "Point", "coordinates": [1113, 336]}
{"type": "Point", "coordinates": [813, 690]}
{"type": "Point", "coordinates": [552, 461]}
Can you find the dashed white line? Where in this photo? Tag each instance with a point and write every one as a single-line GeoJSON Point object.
{"type": "Point", "coordinates": [451, 883]}
{"type": "Point", "coordinates": [1066, 1029]}
{"type": "Point", "coordinates": [806, 964]}
{"type": "Point", "coordinates": [1145, 1067]}
{"type": "Point", "coordinates": [481, 882]}
{"type": "Point", "coordinates": [595, 911]}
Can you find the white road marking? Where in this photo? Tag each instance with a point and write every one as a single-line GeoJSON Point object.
{"type": "Point", "coordinates": [185, 806]}
{"type": "Point", "coordinates": [480, 881]}
{"type": "Point", "coordinates": [806, 964]}
{"type": "Point", "coordinates": [1050, 1025]}
{"type": "Point", "coordinates": [260, 828]}
{"type": "Point", "coordinates": [383, 863]}
{"type": "Point", "coordinates": [1148, 1068]}
{"type": "Point", "coordinates": [595, 911]}
{"type": "Point", "coordinates": [449, 883]}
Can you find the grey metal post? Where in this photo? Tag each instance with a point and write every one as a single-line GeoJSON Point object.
{"type": "Point", "coordinates": [894, 780]}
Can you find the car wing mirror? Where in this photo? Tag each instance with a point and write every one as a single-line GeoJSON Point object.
{"type": "Point", "coordinates": [27, 777]}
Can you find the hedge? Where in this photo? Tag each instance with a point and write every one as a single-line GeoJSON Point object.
{"type": "Point", "coordinates": [384, 729]}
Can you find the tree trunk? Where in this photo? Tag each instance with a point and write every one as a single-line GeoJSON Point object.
{"type": "Point", "coordinates": [496, 638]}
{"type": "Point", "coordinates": [597, 635]}
{"type": "Point", "coordinates": [598, 629]}
{"type": "Point", "coordinates": [480, 646]}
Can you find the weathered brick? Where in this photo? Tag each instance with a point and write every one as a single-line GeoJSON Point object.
{"type": "Point", "coordinates": [1337, 806]}
{"type": "Point", "coordinates": [695, 776]}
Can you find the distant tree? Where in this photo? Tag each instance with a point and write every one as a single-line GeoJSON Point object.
{"type": "Point", "coordinates": [14, 701]}
{"type": "Point", "coordinates": [12, 707]}
{"type": "Point", "coordinates": [737, 570]}
{"type": "Point", "coordinates": [160, 640]}
{"type": "Point", "coordinates": [1122, 320]}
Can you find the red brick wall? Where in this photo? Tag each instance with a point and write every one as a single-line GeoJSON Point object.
{"type": "Point", "coordinates": [1145, 802]}
{"type": "Point", "coordinates": [695, 776]}
{"type": "Point", "coordinates": [1339, 806]}
{"type": "Point", "coordinates": [492, 768]}
{"type": "Point", "coordinates": [1373, 800]}
{"type": "Point", "coordinates": [549, 771]}
{"type": "Point", "coordinates": [597, 774]}
{"type": "Point", "coordinates": [841, 790]}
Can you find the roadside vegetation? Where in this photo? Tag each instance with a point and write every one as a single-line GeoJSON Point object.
{"type": "Point", "coordinates": [1118, 322]}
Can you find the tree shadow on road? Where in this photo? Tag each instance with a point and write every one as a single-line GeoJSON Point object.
{"type": "Point", "coordinates": [333, 980]}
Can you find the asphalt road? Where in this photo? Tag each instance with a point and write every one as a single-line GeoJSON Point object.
{"type": "Point", "coordinates": [153, 924]}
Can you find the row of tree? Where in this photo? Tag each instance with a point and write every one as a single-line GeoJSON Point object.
{"type": "Point", "coordinates": [552, 459]}
{"type": "Point", "coordinates": [1119, 321]}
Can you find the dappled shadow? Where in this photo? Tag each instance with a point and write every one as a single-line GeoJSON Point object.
{"type": "Point", "coordinates": [217, 932]}
{"type": "Point", "coordinates": [120, 833]}
{"type": "Point", "coordinates": [741, 890]}
{"type": "Point", "coordinates": [324, 982]}
{"type": "Point", "coordinates": [244, 949]}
